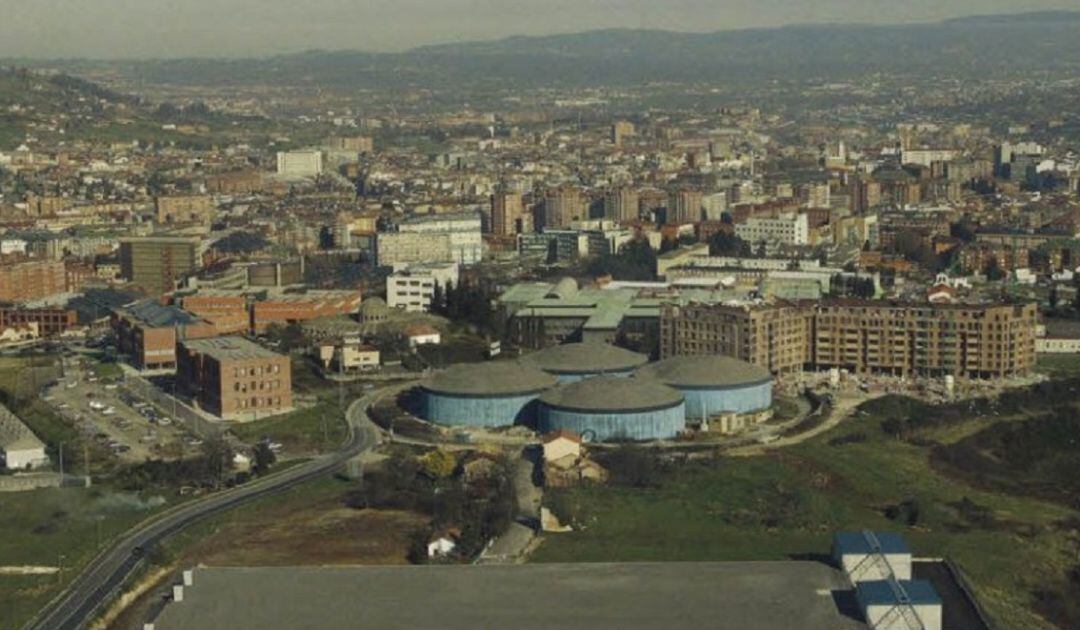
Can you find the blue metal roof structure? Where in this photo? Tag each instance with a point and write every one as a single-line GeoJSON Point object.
{"type": "Point", "coordinates": [885, 593]}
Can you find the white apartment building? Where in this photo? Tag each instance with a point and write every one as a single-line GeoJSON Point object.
{"type": "Point", "coordinates": [791, 229]}
{"type": "Point", "coordinates": [300, 163]}
{"type": "Point", "coordinates": [411, 287]}
{"type": "Point", "coordinates": [437, 238]}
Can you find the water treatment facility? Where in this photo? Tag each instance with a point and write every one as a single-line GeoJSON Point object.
{"type": "Point", "coordinates": [576, 361]}
{"type": "Point", "coordinates": [496, 394]}
{"type": "Point", "coordinates": [607, 408]}
{"type": "Point", "coordinates": [714, 384]}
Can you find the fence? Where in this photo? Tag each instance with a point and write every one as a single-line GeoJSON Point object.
{"type": "Point", "coordinates": [196, 422]}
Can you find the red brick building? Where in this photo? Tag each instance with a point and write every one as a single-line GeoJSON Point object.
{"type": "Point", "coordinates": [233, 378]}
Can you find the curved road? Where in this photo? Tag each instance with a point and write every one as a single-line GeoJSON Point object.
{"type": "Point", "coordinates": [106, 574]}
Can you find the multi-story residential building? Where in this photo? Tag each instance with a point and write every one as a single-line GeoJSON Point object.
{"type": "Point", "coordinates": [776, 337]}
{"type": "Point", "coordinates": [684, 206]}
{"type": "Point", "coordinates": [300, 163]}
{"type": "Point", "coordinates": [412, 287]}
{"type": "Point", "coordinates": [436, 238]}
{"type": "Point", "coordinates": [903, 339]}
{"type": "Point", "coordinates": [564, 205]}
{"type": "Point", "coordinates": [49, 321]}
{"type": "Point", "coordinates": [233, 378]}
{"type": "Point", "coordinates": [508, 213]}
{"type": "Point", "coordinates": [978, 257]}
{"type": "Point", "coordinates": [32, 280]}
{"type": "Point", "coordinates": [621, 204]}
{"type": "Point", "coordinates": [621, 130]}
{"type": "Point", "coordinates": [156, 263]}
{"type": "Point", "coordinates": [187, 209]}
{"type": "Point", "coordinates": [355, 144]}
{"type": "Point", "coordinates": [791, 229]}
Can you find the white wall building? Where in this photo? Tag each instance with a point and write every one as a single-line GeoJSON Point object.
{"type": "Point", "coordinates": [411, 287]}
{"type": "Point", "coordinates": [300, 163]}
{"type": "Point", "coordinates": [791, 229]}
{"type": "Point", "coordinates": [19, 447]}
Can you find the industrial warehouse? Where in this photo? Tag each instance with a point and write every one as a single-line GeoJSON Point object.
{"type": "Point", "coordinates": [600, 391]}
{"type": "Point", "coordinates": [870, 581]}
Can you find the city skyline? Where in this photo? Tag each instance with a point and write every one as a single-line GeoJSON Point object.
{"type": "Point", "coordinates": [129, 29]}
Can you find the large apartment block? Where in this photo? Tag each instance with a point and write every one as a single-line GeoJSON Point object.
{"type": "Point", "coordinates": [776, 337]}
{"type": "Point", "coordinates": [902, 339]}
{"type": "Point", "coordinates": [155, 263]}
{"type": "Point", "coordinates": [32, 280]}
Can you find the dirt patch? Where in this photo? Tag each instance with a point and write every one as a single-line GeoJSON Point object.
{"type": "Point", "coordinates": [336, 536]}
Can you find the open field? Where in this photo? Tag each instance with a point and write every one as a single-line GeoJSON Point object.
{"type": "Point", "coordinates": [317, 429]}
{"type": "Point", "coordinates": [788, 504]}
{"type": "Point", "coordinates": [53, 527]}
{"type": "Point", "coordinates": [307, 525]}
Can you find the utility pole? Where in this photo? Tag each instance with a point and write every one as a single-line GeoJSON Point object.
{"type": "Point", "coordinates": [61, 463]}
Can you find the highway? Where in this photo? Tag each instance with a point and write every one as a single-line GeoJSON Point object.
{"type": "Point", "coordinates": [106, 575]}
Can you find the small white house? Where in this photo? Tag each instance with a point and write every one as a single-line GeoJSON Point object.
{"type": "Point", "coordinates": [561, 443]}
{"type": "Point", "coordinates": [19, 447]}
{"type": "Point", "coordinates": [440, 546]}
{"type": "Point", "coordinates": [422, 334]}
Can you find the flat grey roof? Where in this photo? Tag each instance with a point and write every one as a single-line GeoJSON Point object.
{"type": "Point", "coordinates": [670, 595]}
{"type": "Point", "coordinates": [229, 348]}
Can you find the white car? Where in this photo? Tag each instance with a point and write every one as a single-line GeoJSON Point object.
{"type": "Point", "coordinates": [96, 406]}
{"type": "Point", "coordinates": [108, 411]}
{"type": "Point", "coordinates": [164, 422]}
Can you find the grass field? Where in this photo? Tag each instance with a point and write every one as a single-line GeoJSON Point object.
{"type": "Point", "coordinates": [316, 429]}
{"type": "Point", "coordinates": [1059, 365]}
{"type": "Point", "coordinates": [788, 505]}
{"type": "Point", "coordinates": [53, 527]}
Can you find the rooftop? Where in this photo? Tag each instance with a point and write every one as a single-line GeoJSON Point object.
{"type": "Point", "coordinates": [230, 349]}
{"type": "Point", "coordinates": [671, 595]}
{"type": "Point", "coordinates": [157, 315]}
{"type": "Point", "coordinates": [859, 543]}
{"type": "Point", "coordinates": [585, 358]}
{"type": "Point", "coordinates": [710, 370]}
{"type": "Point", "coordinates": [497, 378]}
{"type": "Point", "coordinates": [882, 592]}
{"type": "Point", "coordinates": [612, 394]}
{"type": "Point", "coordinates": [14, 435]}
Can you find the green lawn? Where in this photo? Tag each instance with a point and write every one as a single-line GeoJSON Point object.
{"type": "Point", "coordinates": [788, 505]}
{"type": "Point", "coordinates": [50, 526]}
{"type": "Point", "coordinates": [1059, 365]}
{"type": "Point", "coordinates": [316, 429]}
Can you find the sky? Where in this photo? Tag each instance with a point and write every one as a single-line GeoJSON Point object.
{"type": "Point", "coordinates": [109, 29]}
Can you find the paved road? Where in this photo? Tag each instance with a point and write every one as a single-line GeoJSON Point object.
{"type": "Point", "coordinates": [106, 574]}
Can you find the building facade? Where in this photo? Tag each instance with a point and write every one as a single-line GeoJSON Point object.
{"type": "Point", "coordinates": [902, 339]}
{"type": "Point", "coordinates": [156, 263]}
{"type": "Point", "coordinates": [233, 378]}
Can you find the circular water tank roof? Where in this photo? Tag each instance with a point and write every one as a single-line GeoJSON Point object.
{"type": "Point", "coordinates": [612, 394]}
{"type": "Point", "coordinates": [585, 358]}
{"type": "Point", "coordinates": [706, 371]}
{"type": "Point", "coordinates": [497, 378]}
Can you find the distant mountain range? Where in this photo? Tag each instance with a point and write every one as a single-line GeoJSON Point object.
{"type": "Point", "coordinates": [978, 46]}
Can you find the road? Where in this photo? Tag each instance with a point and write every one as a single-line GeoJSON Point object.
{"type": "Point", "coordinates": [106, 574]}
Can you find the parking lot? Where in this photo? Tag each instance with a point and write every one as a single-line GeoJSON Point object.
{"type": "Point", "coordinates": [93, 397]}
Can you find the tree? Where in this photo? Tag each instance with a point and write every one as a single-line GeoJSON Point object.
{"type": "Point", "coordinates": [994, 273]}
{"type": "Point", "coordinates": [438, 464]}
{"type": "Point", "coordinates": [217, 457]}
{"type": "Point", "coordinates": [263, 457]}
{"type": "Point", "coordinates": [724, 244]}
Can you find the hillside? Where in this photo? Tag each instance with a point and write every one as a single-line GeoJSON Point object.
{"type": "Point", "coordinates": [981, 46]}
